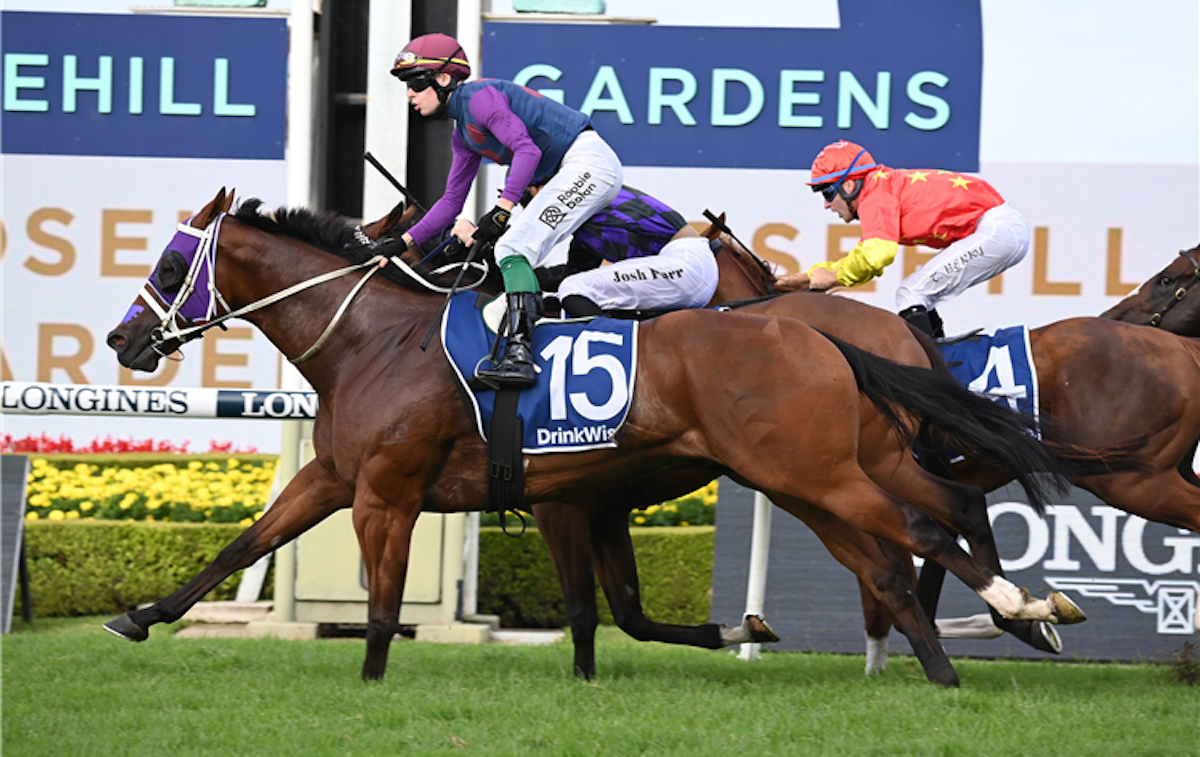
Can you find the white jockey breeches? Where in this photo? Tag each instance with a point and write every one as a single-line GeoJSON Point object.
{"type": "Point", "coordinates": [682, 275]}
{"type": "Point", "coordinates": [588, 179]}
{"type": "Point", "coordinates": [1000, 241]}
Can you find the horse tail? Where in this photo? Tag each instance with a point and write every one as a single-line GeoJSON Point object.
{"type": "Point", "coordinates": [1124, 456]}
{"type": "Point", "coordinates": [990, 434]}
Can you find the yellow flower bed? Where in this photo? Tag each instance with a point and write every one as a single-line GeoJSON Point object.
{"type": "Point", "coordinates": [228, 491]}
{"type": "Point", "coordinates": [225, 491]}
{"type": "Point", "coordinates": [696, 509]}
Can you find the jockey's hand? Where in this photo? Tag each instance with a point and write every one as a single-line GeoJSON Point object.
{"type": "Point", "coordinates": [463, 229]}
{"type": "Point", "coordinates": [792, 282]}
{"type": "Point", "coordinates": [492, 224]}
{"type": "Point", "coordinates": [821, 279]}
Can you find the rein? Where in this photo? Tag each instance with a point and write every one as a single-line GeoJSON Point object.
{"type": "Point", "coordinates": [206, 256]}
{"type": "Point", "coordinates": [769, 278]}
{"type": "Point", "coordinates": [1181, 292]}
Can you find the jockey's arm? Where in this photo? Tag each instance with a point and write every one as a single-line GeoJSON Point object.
{"type": "Point", "coordinates": [866, 261]}
{"type": "Point", "coordinates": [463, 168]}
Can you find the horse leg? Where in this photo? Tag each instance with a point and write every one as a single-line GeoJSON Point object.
{"type": "Point", "coordinates": [384, 535]}
{"type": "Point", "coordinates": [852, 497]}
{"type": "Point", "coordinates": [616, 565]}
{"type": "Point", "coordinates": [962, 509]}
{"type": "Point", "coordinates": [566, 530]}
{"type": "Point", "coordinates": [877, 623]}
{"type": "Point", "coordinates": [312, 495]}
{"type": "Point", "coordinates": [885, 577]}
{"type": "Point", "coordinates": [1167, 496]}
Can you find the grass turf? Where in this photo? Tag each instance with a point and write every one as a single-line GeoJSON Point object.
{"type": "Point", "coordinates": [71, 688]}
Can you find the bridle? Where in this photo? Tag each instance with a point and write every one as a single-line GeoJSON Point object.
{"type": "Point", "coordinates": [1180, 292]}
{"type": "Point", "coordinates": [205, 259]}
{"type": "Point", "coordinates": [717, 244]}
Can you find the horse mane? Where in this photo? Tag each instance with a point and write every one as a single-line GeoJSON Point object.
{"type": "Point", "coordinates": [327, 232]}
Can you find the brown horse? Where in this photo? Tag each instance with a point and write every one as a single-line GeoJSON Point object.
{"type": "Point", "coordinates": [758, 423]}
{"type": "Point", "coordinates": [1162, 301]}
{"type": "Point", "coordinates": [1099, 381]}
{"type": "Point", "coordinates": [596, 530]}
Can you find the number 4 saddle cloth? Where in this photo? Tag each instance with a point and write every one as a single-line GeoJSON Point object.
{"type": "Point", "coordinates": [585, 378]}
{"type": "Point", "coordinates": [998, 366]}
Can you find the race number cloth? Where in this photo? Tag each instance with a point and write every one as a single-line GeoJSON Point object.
{"type": "Point", "coordinates": [583, 391]}
{"type": "Point", "coordinates": [998, 366]}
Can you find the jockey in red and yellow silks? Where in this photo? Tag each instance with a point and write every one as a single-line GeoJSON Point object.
{"type": "Point", "coordinates": [964, 216]}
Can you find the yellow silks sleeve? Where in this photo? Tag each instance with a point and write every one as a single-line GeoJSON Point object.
{"type": "Point", "coordinates": [866, 261]}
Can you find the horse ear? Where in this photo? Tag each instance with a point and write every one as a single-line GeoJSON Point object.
{"type": "Point", "coordinates": [228, 202]}
{"type": "Point", "coordinates": [209, 212]}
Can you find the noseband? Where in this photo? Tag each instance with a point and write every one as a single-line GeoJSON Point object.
{"type": "Point", "coordinates": [1182, 291]}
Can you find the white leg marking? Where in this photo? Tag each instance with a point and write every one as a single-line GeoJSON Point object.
{"type": "Point", "coordinates": [1004, 596]}
{"type": "Point", "coordinates": [734, 634]}
{"type": "Point", "coordinates": [877, 654]}
{"type": "Point", "coordinates": [975, 627]}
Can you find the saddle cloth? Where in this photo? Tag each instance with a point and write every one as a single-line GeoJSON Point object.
{"type": "Point", "coordinates": [585, 380]}
{"type": "Point", "coordinates": [998, 366]}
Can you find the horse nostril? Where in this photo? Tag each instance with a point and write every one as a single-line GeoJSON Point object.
{"type": "Point", "coordinates": [115, 341]}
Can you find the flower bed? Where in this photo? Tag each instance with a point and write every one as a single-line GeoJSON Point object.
{"type": "Point", "coordinates": [190, 489]}
{"type": "Point", "coordinates": [157, 481]}
{"type": "Point", "coordinates": [696, 509]}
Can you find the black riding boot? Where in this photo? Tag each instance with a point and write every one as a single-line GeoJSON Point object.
{"type": "Point", "coordinates": [516, 368]}
{"type": "Point", "coordinates": [578, 306]}
{"type": "Point", "coordinates": [935, 320]}
{"type": "Point", "coordinates": [919, 317]}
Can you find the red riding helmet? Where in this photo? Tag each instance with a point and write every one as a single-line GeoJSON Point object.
{"type": "Point", "coordinates": [432, 53]}
{"type": "Point", "coordinates": [840, 161]}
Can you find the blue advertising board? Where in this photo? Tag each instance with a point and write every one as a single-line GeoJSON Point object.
{"type": "Point", "coordinates": [903, 78]}
{"type": "Point", "coordinates": [144, 86]}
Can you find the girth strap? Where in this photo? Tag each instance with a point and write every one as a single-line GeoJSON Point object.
{"type": "Point", "coordinates": [506, 469]}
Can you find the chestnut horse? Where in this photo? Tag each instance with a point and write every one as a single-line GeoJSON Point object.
{"type": "Point", "coordinates": [595, 530]}
{"type": "Point", "coordinates": [1162, 301]}
{"type": "Point", "coordinates": [785, 422]}
{"type": "Point", "coordinates": [1099, 381]}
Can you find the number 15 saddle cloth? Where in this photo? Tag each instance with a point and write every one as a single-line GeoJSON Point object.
{"type": "Point", "coordinates": [584, 384]}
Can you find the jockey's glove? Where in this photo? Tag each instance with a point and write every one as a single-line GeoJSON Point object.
{"type": "Point", "coordinates": [492, 225]}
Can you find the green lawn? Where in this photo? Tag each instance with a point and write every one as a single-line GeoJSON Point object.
{"type": "Point", "coordinates": [69, 688]}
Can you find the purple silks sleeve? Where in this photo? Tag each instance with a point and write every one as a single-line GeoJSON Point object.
{"type": "Point", "coordinates": [490, 109]}
{"type": "Point", "coordinates": [463, 168]}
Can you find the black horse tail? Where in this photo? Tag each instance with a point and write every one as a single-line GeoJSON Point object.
{"type": "Point", "coordinates": [989, 434]}
{"type": "Point", "coordinates": [1124, 456]}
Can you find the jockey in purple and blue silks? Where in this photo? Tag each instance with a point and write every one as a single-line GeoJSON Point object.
{"type": "Point", "coordinates": [543, 142]}
{"type": "Point", "coordinates": [658, 261]}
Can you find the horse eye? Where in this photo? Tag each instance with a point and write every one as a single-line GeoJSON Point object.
{"type": "Point", "coordinates": [1165, 281]}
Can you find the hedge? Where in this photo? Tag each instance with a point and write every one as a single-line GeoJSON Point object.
{"type": "Point", "coordinates": [98, 567]}
{"type": "Point", "coordinates": [517, 580]}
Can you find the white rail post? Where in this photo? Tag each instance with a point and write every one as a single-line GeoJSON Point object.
{"type": "Point", "coordinates": [756, 585]}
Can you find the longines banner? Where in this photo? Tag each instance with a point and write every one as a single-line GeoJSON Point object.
{"type": "Point", "coordinates": [27, 398]}
{"type": "Point", "coordinates": [1137, 581]}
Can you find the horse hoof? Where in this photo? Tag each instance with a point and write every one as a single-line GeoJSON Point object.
{"type": "Point", "coordinates": [126, 628]}
{"type": "Point", "coordinates": [1066, 612]}
{"type": "Point", "coordinates": [1045, 638]}
{"type": "Point", "coordinates": [760, 632]}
